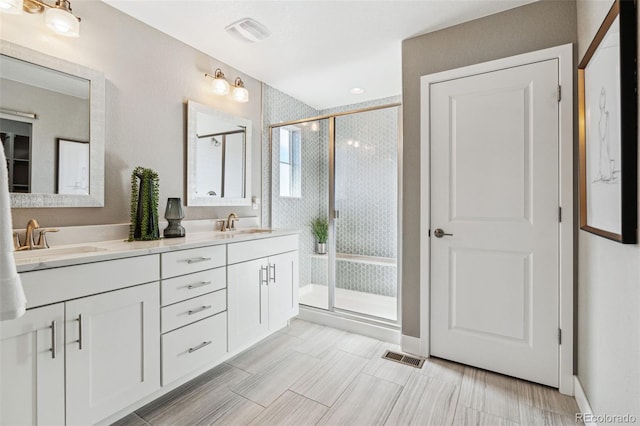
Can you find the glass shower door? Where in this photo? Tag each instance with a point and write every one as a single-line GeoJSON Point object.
{"type": "Point", "coordinates": [366, 200]}
{"type": "Point", "coordinates": [299, 195]}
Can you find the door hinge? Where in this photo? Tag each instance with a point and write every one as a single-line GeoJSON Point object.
{"type": "Point", "coordinates": [559, 93]}
{"type": "Point", "coordinates": [559, 336]}
{"type": "Point", "coordinates": [560, 214]}
{"type": "Point", "coordinates": [336, 214]}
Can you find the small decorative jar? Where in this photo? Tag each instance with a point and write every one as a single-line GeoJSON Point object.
{"type": "Point", "coordinates": [174, 215]}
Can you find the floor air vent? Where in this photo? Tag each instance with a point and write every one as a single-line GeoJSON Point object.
{"type": "Point", "coordinates": [404, 359]}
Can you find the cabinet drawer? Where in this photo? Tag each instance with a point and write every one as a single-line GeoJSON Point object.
{"type": "Point", "coordinates": [188, 348]}
{"type": "Point", "coordinates": [71, 282]}
{"type": "Point", "coordinates": [249, 250]}
{"type": "Point", "coordinates": [192, 285]}
{"type": "Point", "coordinates": [183, 262]}
{"type": "Point", "coordinates": [192, 310]}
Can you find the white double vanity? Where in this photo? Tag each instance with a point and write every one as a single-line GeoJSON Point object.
{"type": "Point", "coordinates": [113, 325]}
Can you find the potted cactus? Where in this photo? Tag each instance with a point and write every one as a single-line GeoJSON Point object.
{"type": "Point", "coordinates": [320, 229]}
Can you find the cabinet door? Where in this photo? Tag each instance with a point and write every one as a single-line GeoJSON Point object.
{"type": "Point", "coordinates": [32, 368]}
{"type": "Point", "coordinates": [113, 351]}
{"type": "Point", "coordinates": [247, 303]}
{"type": "Point", "coordinates": [283, 289]}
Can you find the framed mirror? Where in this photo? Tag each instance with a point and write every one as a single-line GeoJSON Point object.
{"type": "Point", "coordinates": [218, 157]}
{"type": "Point", "coordinates": [52, 121]}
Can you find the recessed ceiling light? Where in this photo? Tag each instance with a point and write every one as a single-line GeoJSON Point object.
{"type": "Point", "coordinates": [249, 30]}
{"type": "Point", "coordinates": [357, 90]}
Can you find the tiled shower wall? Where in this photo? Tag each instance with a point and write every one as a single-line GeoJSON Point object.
{"type": "Point", "coordinates": [292, 213]}
{"type": "Point", "coordinates": [367, 197]}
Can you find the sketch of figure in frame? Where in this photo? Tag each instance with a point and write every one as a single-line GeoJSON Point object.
{"type": "Point", "coordinates": [607, 172]}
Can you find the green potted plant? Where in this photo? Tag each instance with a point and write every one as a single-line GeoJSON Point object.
{"type": "Point", "coordinates": [320, 229]}
{"type": "Point", "coordinates": [144, 205]}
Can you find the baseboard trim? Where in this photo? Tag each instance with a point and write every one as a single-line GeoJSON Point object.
{"type": "Point", "coordinates": [583, 403]}
{"type": "Point", "coordinates": [386, 334]}
{"type": "Point", "coordinates": [410, 344]}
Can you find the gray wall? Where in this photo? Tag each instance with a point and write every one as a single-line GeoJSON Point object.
{"type": "Point", "coordinates": [149, 77]}
{"type": "Point", "coordinates": [608, 294]}
{"type": "Point", "coordinates": [536, 26]}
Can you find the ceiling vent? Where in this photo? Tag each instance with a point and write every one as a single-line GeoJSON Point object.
{"type": "Point", "coordinates": [248, 30]}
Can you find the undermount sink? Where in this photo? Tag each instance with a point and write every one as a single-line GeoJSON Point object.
{"type": "Point", "coordinates": [56, 251]}
{"type": "Point", "coordinates": [253, 231]}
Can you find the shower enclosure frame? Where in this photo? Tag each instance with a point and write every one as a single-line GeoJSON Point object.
{"type": "Point", "coordinates": [332, 214]}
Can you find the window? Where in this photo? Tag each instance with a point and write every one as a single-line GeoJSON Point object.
{"type": "Point", "coordinates": [290, 168]}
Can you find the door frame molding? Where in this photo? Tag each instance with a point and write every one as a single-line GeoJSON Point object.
{"type": "Point", "coordinates": [564, 54]}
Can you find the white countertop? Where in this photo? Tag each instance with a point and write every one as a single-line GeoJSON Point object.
{"type": "Point", "coordinates": [75, 254]}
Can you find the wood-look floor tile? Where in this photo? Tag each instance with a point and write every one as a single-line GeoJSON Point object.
{"type": "Point", "coordinates": [195, 393]}
{"type": "Point", "coordinates": [266, 387]}
{"type": "Point", "coordinates": [367, 401]}
{"type": "Point", "coordinates": [291, 409]}
{"type": "Point", "coordinates": [466, 416]}
{"type": "Point", "coordinates": [532, 416]}
{"type": "Point", "coordinates": [546, 398]}
{"type": "Point", "coordinates": [325, 382]}
{"type": "Point", "coordinates": [387, 369]}
{"type": "Point", "coordinates": [491, 393]}
{"type": "Point", "coordinates": [131, 420]}
{"type": "Point", "coordinates": [321, 342]}
{"type": "Point", "coordinates": [302, 329]}
{"type": "Point", "coordinates": [216, 406]}
{"type": "Point", "coordinates": [268, 351]}
{"type": "Point", "coordinates": [425, 401]}
{"type": "Point", "coordinates": [356, 344]}
{"type": "Point", "coordinates": [442, 369]}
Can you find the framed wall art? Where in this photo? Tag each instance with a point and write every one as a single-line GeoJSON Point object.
{"type": "Point", "coordinates": [608, 128]}
{"type": "Point", "coordinates": [73, 167]}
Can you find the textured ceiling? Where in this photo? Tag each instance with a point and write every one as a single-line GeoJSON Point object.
{"type": "Point", "coordinates": [318, 50]}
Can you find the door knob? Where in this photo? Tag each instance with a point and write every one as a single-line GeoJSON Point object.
{"type": "Point", "coordinates": [439, 233]}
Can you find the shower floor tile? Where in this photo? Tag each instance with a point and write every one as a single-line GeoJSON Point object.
{"type": "Point", "coordinates": [371, 304]}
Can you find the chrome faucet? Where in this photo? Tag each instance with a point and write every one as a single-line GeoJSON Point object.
{"type": "Point", "coordinates": [29, 240]}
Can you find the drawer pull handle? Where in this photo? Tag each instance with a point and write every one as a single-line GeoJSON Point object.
{"type": "Point", "coordinates": [195, 311]}
{"type": "Point", "coordinates": [200, 346]}
{"type": "Point", "coordinates": [200, 284]}
{"type": "Point", "coordinates": [198, 259]}
{"type": "Point", "coordinates": [79, 341]}
{"type": "Point", "coordinates": [54, 346]}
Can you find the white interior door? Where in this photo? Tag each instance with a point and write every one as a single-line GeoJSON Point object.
{"type": "Point", "coordinates": [494, 187]}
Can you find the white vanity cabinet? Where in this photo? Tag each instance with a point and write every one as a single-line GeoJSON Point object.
{"type": "Point", "coordinates": [262, 285]}
{"type": "Point", "coordinates": [112, 352]}
{"type": "Point", "coordinates": [193, 313]}
{"type": "Point", "coordinates": [32, 368]}
{"type": "Point", "coordinates": [107, 344]}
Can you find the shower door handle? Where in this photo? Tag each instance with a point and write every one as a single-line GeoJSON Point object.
{"type": "Point", "coordinates": [336, 214]}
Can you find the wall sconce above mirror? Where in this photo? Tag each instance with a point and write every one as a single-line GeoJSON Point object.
{"type": "Point", "coordinates": [218, 157]}
{"type": "Point", "coordinates": [221, 87]}
{"type": "Point", "coordinates": [58, 17]}
{"type": "Point", "coordinates": [52, 123]}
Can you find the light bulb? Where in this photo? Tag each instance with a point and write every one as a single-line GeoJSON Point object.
{"type": "Point", "coordinates": [62, 22]}
{"type": "Point", "coordinates": [240, 94]}
{"type": "Point", "coordinates": [11, 7]}
{"type": "Point", "coordinates": [220, 86]}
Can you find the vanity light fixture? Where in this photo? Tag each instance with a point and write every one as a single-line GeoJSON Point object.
{"type": "Point", "coordinates": [58, 17]}
{"type": "Point", "coordinates": [221, 86]}
{"type": "Point", "coordinates": [239, 94]}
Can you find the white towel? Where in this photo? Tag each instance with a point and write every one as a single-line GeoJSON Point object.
{"type": "Point", "coordinates": [12, 300]}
